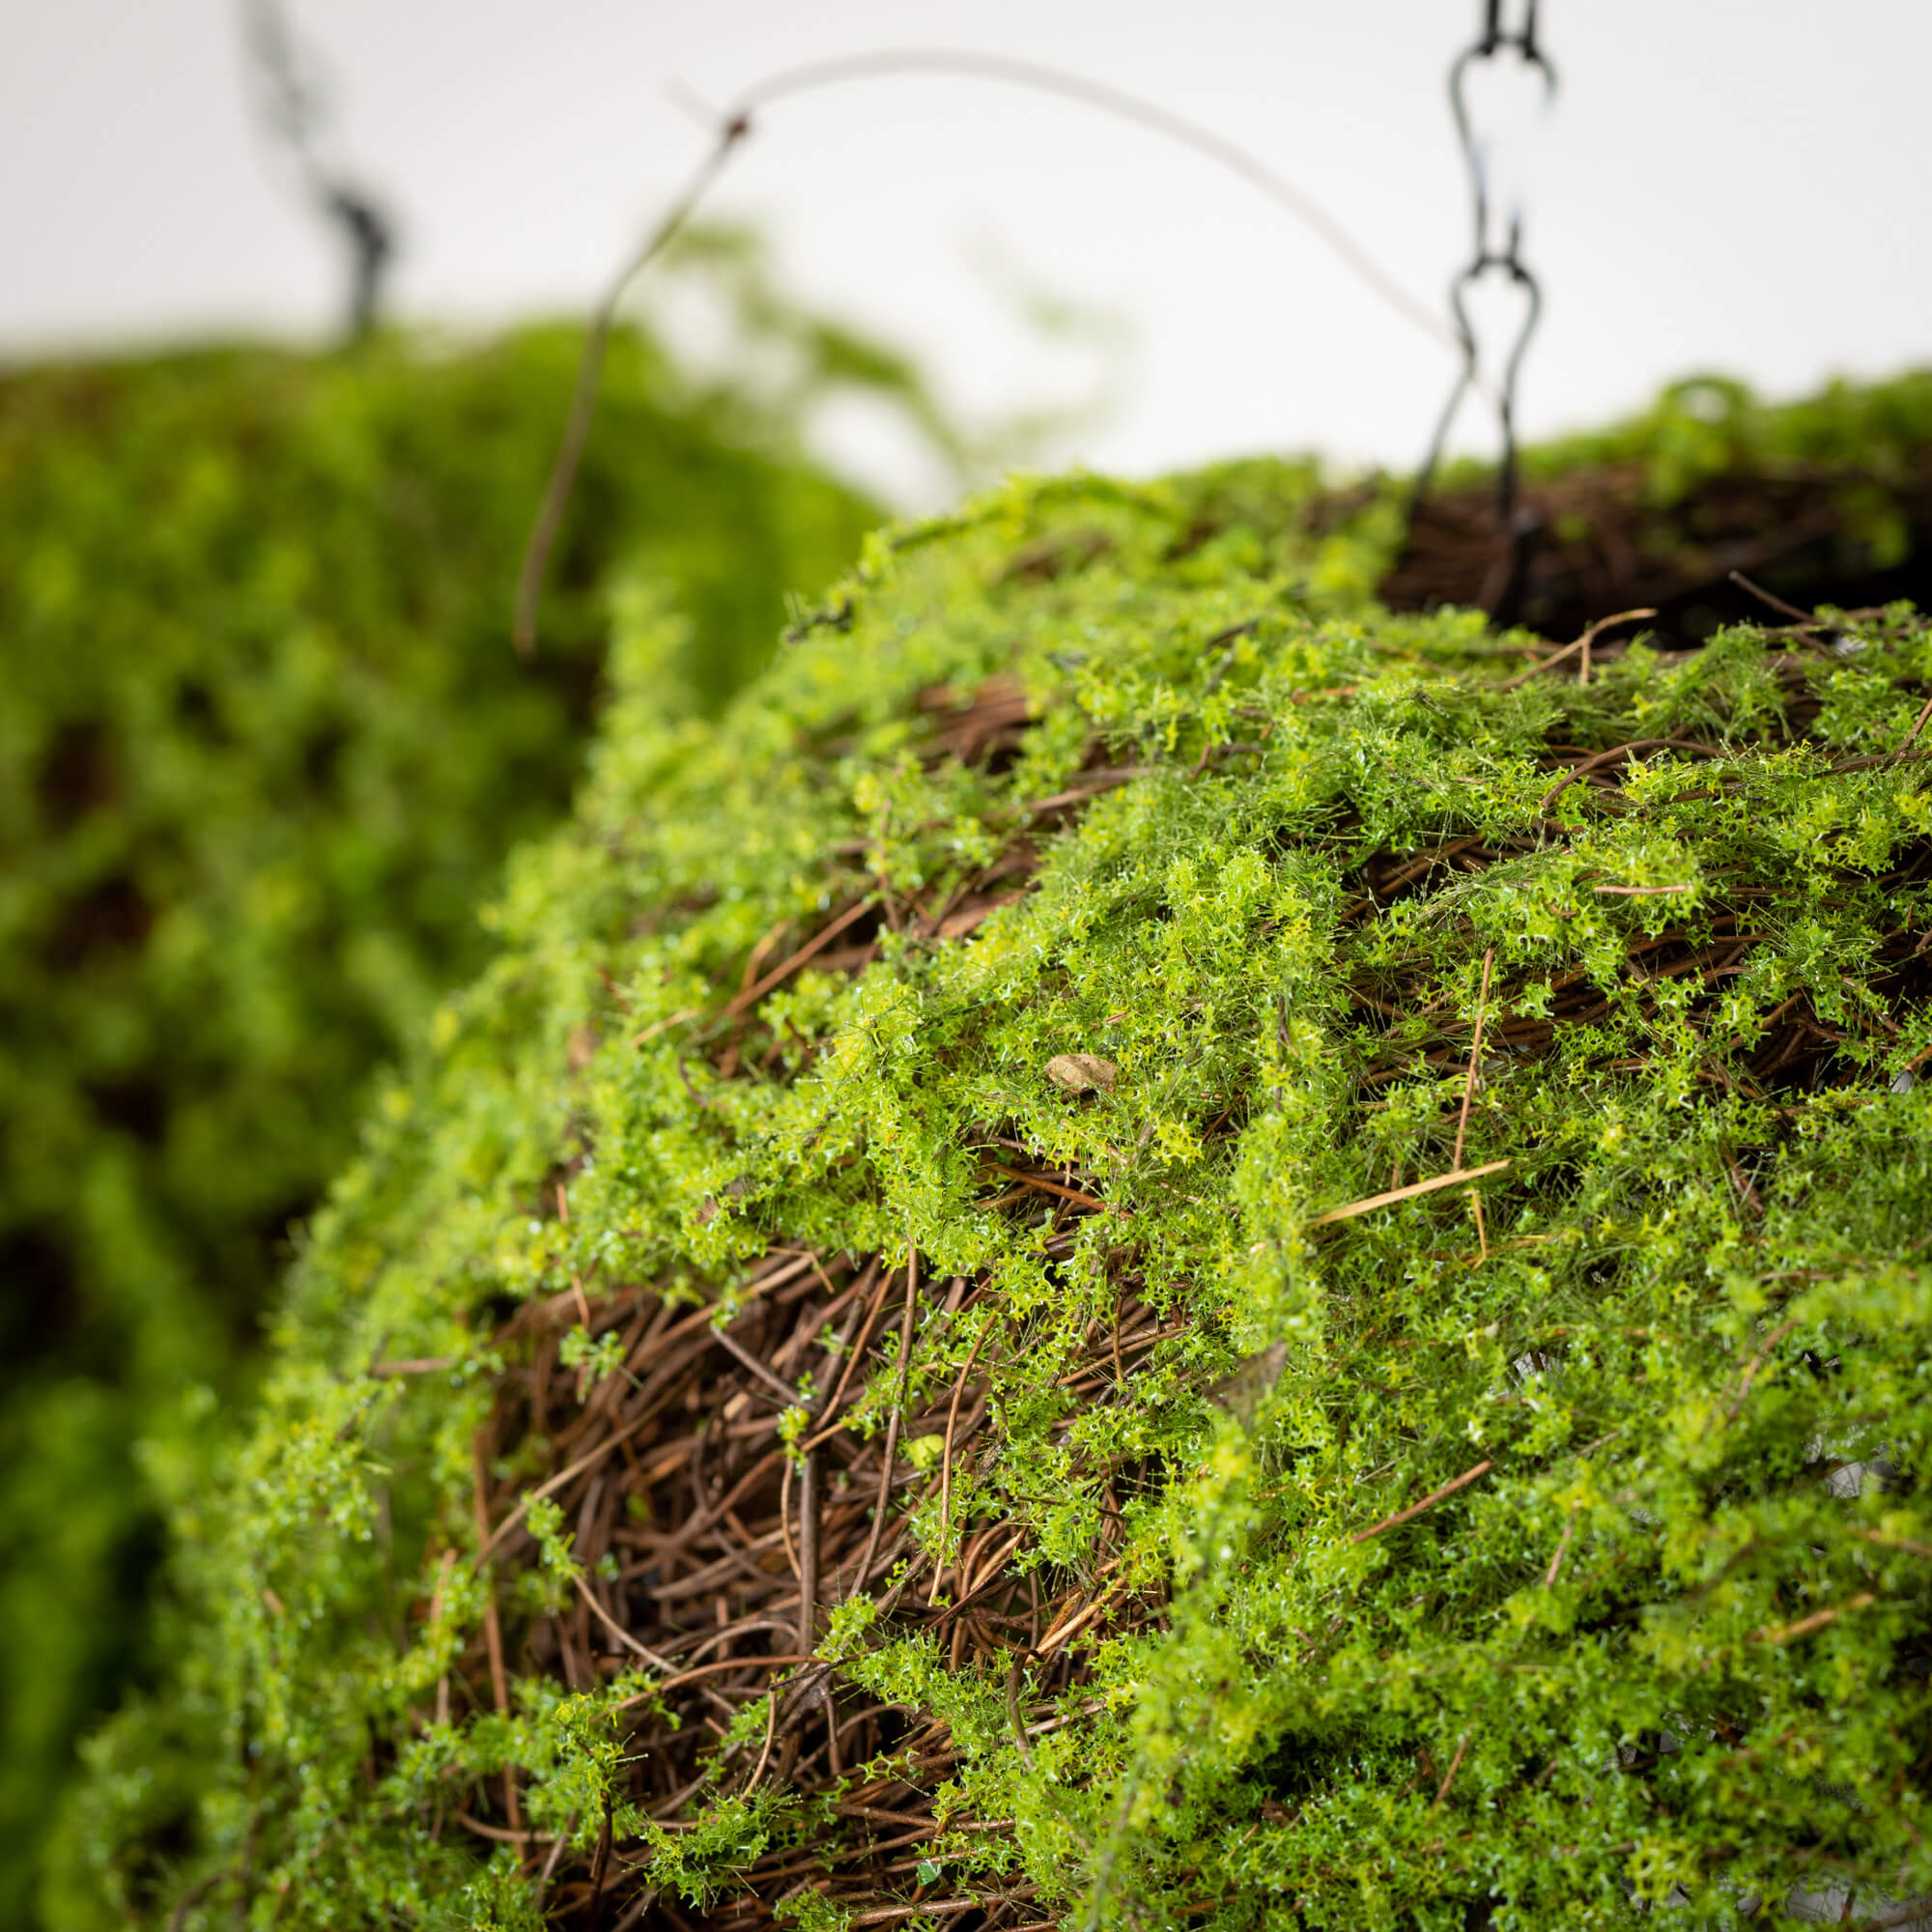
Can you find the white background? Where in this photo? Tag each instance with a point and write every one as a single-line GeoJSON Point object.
{"type": "Point", "coordinates": [1740, 184]}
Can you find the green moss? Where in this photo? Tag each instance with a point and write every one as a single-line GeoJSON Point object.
{"type": "Point", "coordinates": [263, 745]}
{"type": "Point", "coordinates": [1434, 1567]}
{"type": "Point", "coordinates": [1709, 427]}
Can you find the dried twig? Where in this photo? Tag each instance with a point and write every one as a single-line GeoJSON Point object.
{"type": "Point", "coordinates": [493, 1629]}
{"type": "Point", "coordinates": [1476, 1058]}
{"type": "Point", "coordinates": [1428, 1502]}
{"type": "Point", "coordinates": [1918, 725]}
{"type": "Point", "coordinates": [1886, 1541]}
{"type": "Point", "coordinates": [597, 1869]}
{"type": "Point", "coordinates": [1581, 645]}
{"type": "Point", "coordinates": [894, 1422]}
{"type": "Point", "coordinates": [1555, 1568]}
{"type": "Point", "coordinates": [1013, 1720]}
{"type": "Point", "coordinates": [1816, 1621]}
{"type": "Point", "coordinates": [1756, 1363]}
{"type": "Point", "coordinates": [1584, 767]}
{"type": "Point", "coordinates": [785, 968]}
{"type": "Point", "coordinates": [1388, 1198]}
{"type": "Point", "coordinates": [1449, 1776]}
{"type": "Point", "coordinates": [771, 1731]}
{"type": "Point", "coordinates": [193, 1897]}
{"type": "Point", "coordinates": [952, 1428]}
{"type": "Point", "coordinates": [1768, 600]}
{"type": "Point", "coordinates": [1040, 1183]}
{"type": "Point", "coordinates": [544, 1877]}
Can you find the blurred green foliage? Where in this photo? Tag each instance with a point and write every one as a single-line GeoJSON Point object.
{"type": "Point", "coordinates": [263, 745]}
{"type": "Point", "coordinates": [1709, 426]}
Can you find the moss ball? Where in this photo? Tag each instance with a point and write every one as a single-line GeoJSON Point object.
{"type": "Point", "coordinates": [1425, 1431]}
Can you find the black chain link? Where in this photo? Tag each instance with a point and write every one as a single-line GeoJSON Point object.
{"type": "Point", "coordinates": [1490, 256]}
{"type": "Point", "coordinates": [294, 110]}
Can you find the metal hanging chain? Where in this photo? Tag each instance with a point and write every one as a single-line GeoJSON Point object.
{"type": "Point", "coordinates": [295, 111]}
{"type": "Point", "coordinates": [1487, 257]}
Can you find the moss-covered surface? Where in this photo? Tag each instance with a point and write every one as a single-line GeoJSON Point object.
{"type": "Point", "coordinates": [262, 745]}
{"type": "Point", "coordinates": [1825, 498]}
{"type": "Point", "coordinates": [941, 1079]}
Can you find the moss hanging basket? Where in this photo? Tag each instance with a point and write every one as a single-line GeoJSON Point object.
{"type": "Point", "coordinates": [1144, 1249]}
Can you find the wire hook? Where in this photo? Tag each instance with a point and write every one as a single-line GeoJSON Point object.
{"type": "Point", "coordinates": [1495, 39]}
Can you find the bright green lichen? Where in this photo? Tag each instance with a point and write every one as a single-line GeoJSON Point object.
{"type": "Point", "coordinates": [1560, 1544]}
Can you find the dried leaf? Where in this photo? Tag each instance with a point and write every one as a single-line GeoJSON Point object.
{"type": "Point", "coordinates": [1081, 1073]}
{"type": "Point", "coordinates": [1242, 1392]}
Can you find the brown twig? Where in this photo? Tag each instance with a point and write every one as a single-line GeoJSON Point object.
{"type": "Point", "coordinates": [193, 1895]}
{"type": "Point", "coordinates": [618, 1631]}
{"type": "Point", "coordinates": [597, 1869]}
{"type": "Point", "coordinates": [775, 1384]}
{"type": "Point", "coordinates": [1816, 1621]}
{"type": "Point", "coordinates": [893, 1421]}
{"type": "Point", "coordinates": [496, 1834]}
{"type": "Point", "coordinates": [785, 968]}
{"type": "Point", "coordinates": [493, 1629]}
{"type": "Point", "coordinates": [1097, 783]}
{"type": "Point", "coordinates": [1768, 601]}
{"type": "Point", "coordinates": [1616, 752]}
{"type": "Point", "coordinates": [549, 1863]}
{"type": "Point", "coordinates": [1752, 1368]}
{"type": "Point", "coordinates": [1013, 1720]}
{"type": "Point", "coordinates": [777, 1662]}
{"type": "Point", "coordinates": [951, 1425]}
{"type": "Point", "coordinates": [808, 1552]}
{"type": "Point", "coordinates": [1231, 637]}
{"type": "Point", "coordinates": [1886, 1541]}
{"type": "Point", "coordinates": [1040, 1182]}
{"type": "Point", "coordinates": [785, 1522]}
{"type": "Point", "coordinates": [1428, 1502]}
{"type": "Point", "coordinates": [771, 1731]}
{"type": "Point", "coordinates": [1918, 725]}
{"type": "Point", "coordinates": [1475, 1057]}
{"type": "Point", "coordinates": [1582, 644]}
{"type": "Point", "coordinates": [1459, 1178]}
{"type": "Point", "coordinates": [1555, 1568]}
{"type": "Point", "coordinates": [1449, 1776]}
{"type": "Point", "coordinates": [832, 1425]}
